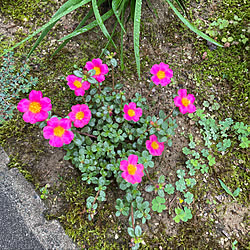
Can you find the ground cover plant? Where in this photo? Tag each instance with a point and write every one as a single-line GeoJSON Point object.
{"type": "Point", "coordinates": [114, 135]}
{"type": "Point", "coordinates": [219, 219]}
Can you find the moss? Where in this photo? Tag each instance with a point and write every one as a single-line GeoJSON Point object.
{"type": "Point", "coordinates": [98, 233]}
{"type": "Point", "coordinates": [25, 10]}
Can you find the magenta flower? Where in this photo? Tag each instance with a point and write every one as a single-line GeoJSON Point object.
{"type": "Point", "coordinates": [100, 69]}
{"type": "Point", "coordinates": [162, 74]}
{"type": "Point", "coordinates": [58, 132]}
{"type": "Point", "coordinates": [131, 112]}
{"type": "Point", "coordinates": [153, 146]}
{"type": "Point", "coordinates": [80, 115]}
{"type": "Point", "coordinates": [133, 172]}
{"type": "Point", "coordinates": [36, 108]}
{"type": "Point", "coordinates": [185, 102]}
{"type": "Point", "coordinates": [75, 83]}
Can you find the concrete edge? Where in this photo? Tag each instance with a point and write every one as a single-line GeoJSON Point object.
{"type": "Point", "coordinates": [31, 208]}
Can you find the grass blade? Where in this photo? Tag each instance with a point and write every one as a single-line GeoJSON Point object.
{"type": "Point", "coordinates": [137, 23]}
{"type": "Point", "coordinates": [76, 4]}
{"type": "Point", "coordinates": [89, 26]}
{"type": "Point", "coordinates": [226, 188]}
{"type": "Point", "coordinates": [112, 34]}
{"type": "Point", "coordinates": [89, 14]}
{"type": "Point", "coordinates": [100, 22]}
{"type": "Point", "coordinates": [115, 6]}
{"type": "Point", "coordinates": [190, 26]}
{"type": "Point", "coordinates": [122, 33]}
{"type": "Point", "coordinates": [63, 8]}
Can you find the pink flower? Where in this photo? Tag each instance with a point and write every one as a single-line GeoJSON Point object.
{"type": "Point", "coordinates": [80, 115]}
{"type": "Point", "coordinates": [133, 172]}
{"type": "Point", "coordinates": [154, 147]}
{"type": "Point", "coordinates": [36, 108]}
{"type": "Point", "coordinates": [57, 131]}
{"type": "Point", "coordinates": [75, 83]}
{"type": "Point", "coordinates": [162, 74]}
{"type": "Point", "coordinates": [100, 69]}
{"type": "Point", "coordinates": [131, 112]}
{"type": "Point", "coordinates": [185, 102]}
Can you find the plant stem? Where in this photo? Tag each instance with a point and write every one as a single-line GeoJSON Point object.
{"type": "Point", "coordinates": [132, 216]}
{"type": "Point", "coordinates": [113, 78]}
{"type": "Point", "coordinates": [150, 91]}
{"type": "Point", "coordinates": [82, 133]}
{"type": "Point", "coordinates": [150, 178]}
{"type": "Point", "coordinates": [97, 194]}
{"type": "Point", "coordinates": [169, 115]}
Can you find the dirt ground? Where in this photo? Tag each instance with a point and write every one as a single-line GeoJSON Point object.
{"type": "Point", "coordinates": [217, 220]}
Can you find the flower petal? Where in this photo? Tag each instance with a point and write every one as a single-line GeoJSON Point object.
{"type": "Point", "coordinates": [191, 108]}
{"type": "Point", "coordinates": [67, 137]}
{"type": "Point", "coordinates": [133, 159]}
{"type": "Point", "coordinates": [23, 105]}
{"type": "Point", "coordinates": [35, 95]}
{"type": "Point", "coordinates": [89, 65]}
{"type": "Point", "coordinates": [182, 93]}
{"type": "Point", "coordinates": [191, 98]}
{"type": "Point", "coordinates": [154, 70]}
{"type": "Point", "coordinates": [124, 165]}
{"type": "Point", "coordinates": [56, 141]}
{"type": "Point", "coordinates": [155, 80]}
{"type": "Point", "coordinates": [48, 132]}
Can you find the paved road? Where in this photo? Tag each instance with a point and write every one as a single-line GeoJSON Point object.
{"type": "Point", "coordinates": [22, 223]}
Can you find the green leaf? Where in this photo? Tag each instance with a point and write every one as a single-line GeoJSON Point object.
{"type": "Point", "coordinates": [89, 26]}
{"type": "Point", "coordinates": [137, 23]}
{"type": "Point", "coordinates": [226, 188]}
{"type": "Point", "coordinates": [131, 232]}
{"type": "Point", "coordinates": [245, 142]}
{"type": "Point", "coordinates": [211, 160]}
{"type": "Point", "coordinates": [236, 192]}
{"type": "Point", "coordinates": [190, 26]}
{"type": "Point", "coordinates": [138, 231]}
{"type": "Point", "coordinates": [100, 22]}
{"type": "Point", "coordinates": [169, 189]}
{"type": "Point", "coordinates": [115, 6]}
{"type": "Point", "coordinates": [189, 197]}
{"type": "Point", "coordinates": [161, 193]}
{"type": "Point", "coordinates": [157, 204]}
{"type": "Point", "coordinates": [68, 7]}
{"type": "Point", "coordinates": [149, 188]}
{"type": "Point", "coordinates": [161, 179]}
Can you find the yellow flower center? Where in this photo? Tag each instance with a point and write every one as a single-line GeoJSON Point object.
{"type": "Point", "coordinates": [161, 74]}
{"type": "Point", "coordinates": [35, 107]}
{"type": "Point", "coordinates": [79, 115]}
{"type": "Point", "coordinates": [97, 71]}
{"type": "Point", "coordinates": [154, 145]}
{"type": "Point", "coordinates": [131, 112]}
{"type": "Point", "coordinates": [77, 84]}
{"type": "Point", "coordinates": [59, 131]}
{"type": "Point", "coordinates": [131, 169]}
{"type": "Point", "coordinates": [185, 102]}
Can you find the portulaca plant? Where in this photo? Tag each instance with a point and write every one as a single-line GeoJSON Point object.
{"type": "Point", "coordinates": [112, 139]}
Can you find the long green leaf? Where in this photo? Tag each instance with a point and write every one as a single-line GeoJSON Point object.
{"type": "Point", "coordinates": [88, 27]}
{"type": "Point", "coordinates": [63, 8]}
{"type": "Point", "coordinates": [226, 188]}
{"type": "Point", "coordinates": [112, 34]}
{"type": "Point", "coordinates": [89, 14]}
{"type": "Point", "coordinates": [77, 4]}
{"type": "Point", "coordinates": [100, 22]}
{"type": "Point", "coordinates": [190, 26]}
{"type": "Point", "coordinates": [122, 33]}
{"type": "Point", "coordinates": [137, 23]}
{"type": "Point", "coordinates": [115, 6]}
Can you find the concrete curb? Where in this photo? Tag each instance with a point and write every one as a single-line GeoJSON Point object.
{"type": "Point", "coordinates": [30, 208]}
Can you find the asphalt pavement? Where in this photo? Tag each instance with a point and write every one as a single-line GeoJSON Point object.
{"type": "Point", "coordinates": [22, 222]}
